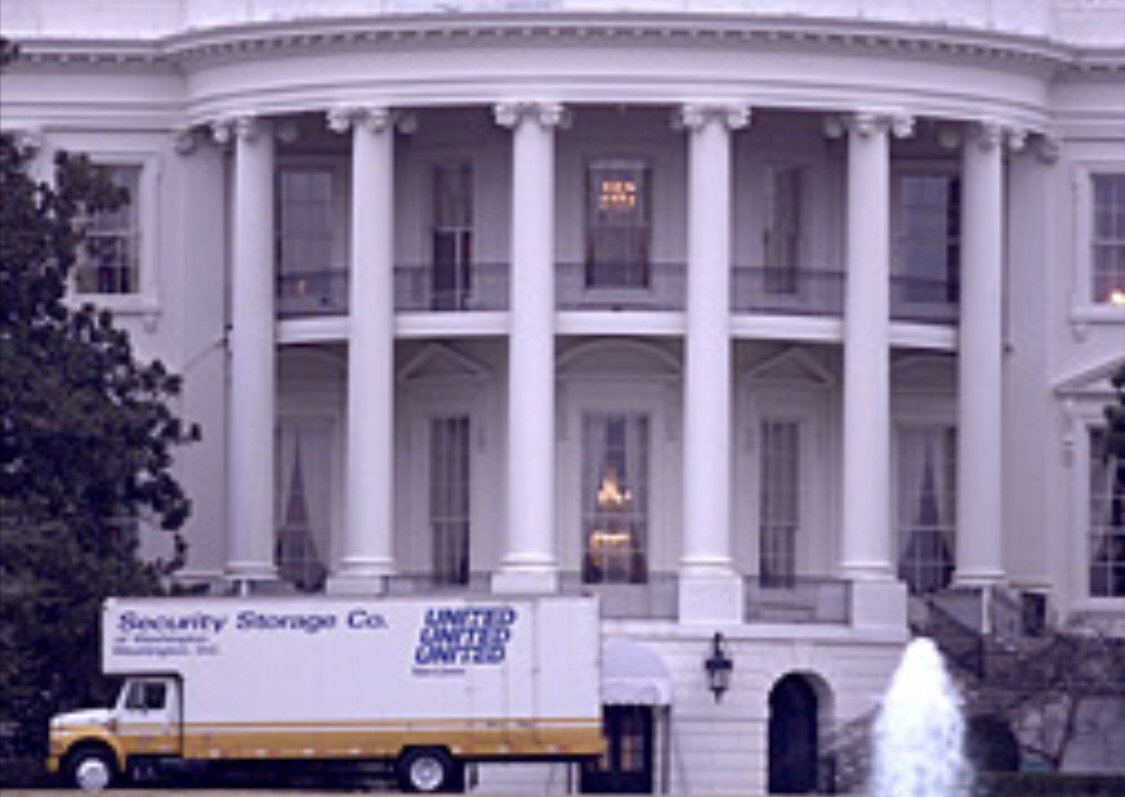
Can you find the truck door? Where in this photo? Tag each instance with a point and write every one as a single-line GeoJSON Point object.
{"type": "Point", "coordinates": [148, 717]}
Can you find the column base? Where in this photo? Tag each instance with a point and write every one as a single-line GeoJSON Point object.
{"type": "Point", "coordinates": [880, 604]}
{"type": "Point", "coordinates": [523, 579]}
{"type": "Point", "coordinates": [710, 592]}
{"type": "Point", "coordinates": [978, 578]}
{"type": "Point", "coordinates": [246, 577]}
{"type": "Point", "coordinates": [360, 577]}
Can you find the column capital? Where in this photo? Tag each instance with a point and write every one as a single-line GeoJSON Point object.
{"type": "Point", "coordinates": [1046, 147]}
{"type": "Point", "coordinates": [868, 123]}
{"type": "Point", "coordinates": [243, 127]}
{"type": "Point", "coordinates": [987, 134]}
{"type": "Point", "coordinates": [694, 116]}
{"type": "Point", "coordinates": [372, 118]}
{"type": "Point", "coordinates": [186, 141]}
{"type": "Point", "coordinates": [548, 115]}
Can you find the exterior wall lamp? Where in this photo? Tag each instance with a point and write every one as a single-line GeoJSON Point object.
{"type": "Point", "coordinates": [718, 666]}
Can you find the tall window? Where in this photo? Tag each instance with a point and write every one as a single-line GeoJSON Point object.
{"type": "Point", "coordinates": [927, 239]}
{"type": "Point", "coordinates": [618, 223]}
{"type": "Point", "coordinates": [779, 502]}
{"type": "Point", "coordinates": [452, 235]}
{"type": "Point", "coordinates": [449, 499]}
{"type": "Point", "coordinates": [1108, 244]}
{"type": "Point", "coordinates": [110, 263]}
{"type": "Point", "coordinates": [782, 235]}
{"type": "Point", "coordinates": [1107, 520]}
{"type": "Point", "coordinates": [615, 498]}
{"type": "Point", "coordinates": [304, 495]}
{"type": "Point", "coordinates": [926, 506]}
{"type": "Point", "coordinates": [306, 212]}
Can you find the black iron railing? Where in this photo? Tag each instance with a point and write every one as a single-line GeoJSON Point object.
{"type": "Point", "coordinates": [787, 291]}
{"type": "Point", "coordinates": [467, 287]}
{"type": "Point", "coordinates": [635, 286]}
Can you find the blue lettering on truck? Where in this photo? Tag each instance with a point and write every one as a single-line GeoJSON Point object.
{"type": "Point", "coordinates": [452, 638]}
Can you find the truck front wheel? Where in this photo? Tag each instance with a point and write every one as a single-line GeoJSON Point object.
{"type": "Point", "coordinates": [427, 770]}
{"type": "Point", "coordinates": [91, 768]}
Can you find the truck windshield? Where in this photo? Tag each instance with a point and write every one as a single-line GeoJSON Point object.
{"type": "Point", "coordinates": [146, 695]}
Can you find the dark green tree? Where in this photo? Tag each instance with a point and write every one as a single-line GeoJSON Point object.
{"type": "Point", "coordinates": [86, 442]}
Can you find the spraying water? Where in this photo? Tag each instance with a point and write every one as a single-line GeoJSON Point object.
{"type": "Point", "coordinates": [919, 732]}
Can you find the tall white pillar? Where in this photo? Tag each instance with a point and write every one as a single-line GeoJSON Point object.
{"type": "Point", "coordinates": [529, 562]}
{"type": "Point", "coordinates": [250, 487]}
{"type": "Point", "coordinates": [865, 551]}
{"type": "Point", "coordinates": [367, 551]}
{"type": "Point", "coordinates": [979, 430]}
{"type": "Point", "coordinates": [710, 590]}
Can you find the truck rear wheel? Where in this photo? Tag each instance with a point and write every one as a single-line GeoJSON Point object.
{"type": "Point", "coordinates": [427, 770]}
{"type": "Point", "coordinates": [91, 768]}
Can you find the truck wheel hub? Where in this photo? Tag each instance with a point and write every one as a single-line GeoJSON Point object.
{"type": "Point", "coordinates": [92, 775]}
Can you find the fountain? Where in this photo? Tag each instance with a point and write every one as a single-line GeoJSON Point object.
{"type": "Point", "coordinates": [919, 732]}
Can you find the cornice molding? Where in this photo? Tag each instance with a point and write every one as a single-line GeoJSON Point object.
{"type": "Point", "coordinates": [190, 50]}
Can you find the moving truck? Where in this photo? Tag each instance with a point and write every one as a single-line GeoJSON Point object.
{"type": "Point", "coordinates": [424, 683]}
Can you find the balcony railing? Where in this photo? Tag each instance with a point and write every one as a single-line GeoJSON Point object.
{"type": "Point", "coordinates": [926, 301]}
{"type": "Point", "coordinates": [800, 599]}
{"type": "Point", "coordinates": [655, 599]}
{"type": "Point", "coordinates": [312, 293]}
{"type": "Point", "coordinates": [643, 287]}
{"type": "Point", "coordinates": [787, 291]}
{"type": "Point", "coordinates": [475, 287]}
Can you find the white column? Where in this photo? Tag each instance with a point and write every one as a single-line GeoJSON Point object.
{"type": "Point", "coordinates": [529, 559]}
{"type": "Point", "coordinates": [979, 551]}
{"type": "Point", "coordinates": [250, 484]}
{"type": "Point", "coordinates": [866, 538]}
{"type": "Point", "coordinates": [866, 552]}
{"type": "Point", "coordinates": [710, 590]}
{"type": "Point", "coordinates": [367, 551]}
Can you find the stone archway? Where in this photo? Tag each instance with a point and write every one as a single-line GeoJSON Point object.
{"type": "Point", "coordinates": [794, 746]}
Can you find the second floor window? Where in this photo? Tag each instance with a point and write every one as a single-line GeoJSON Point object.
{"type": "Point", "coordinates": [927, 237]}
{"type": "Point", "coordinates": [1108, 239]}
{"type": "Point", "coordinates": [306, 237]}
{"type": "Point", "coordinates": [110, 262]}
{"type": "Point", "coordinates": [452, 235]}
{"type": "Point", "coordinates": [782, 235]}
{"type": "Point", "coordinates": [618, 223]}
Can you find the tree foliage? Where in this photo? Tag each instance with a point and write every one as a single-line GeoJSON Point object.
{"type": "Point", "coordinates": [86, 442]}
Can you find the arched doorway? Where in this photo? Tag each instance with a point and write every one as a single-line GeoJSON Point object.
{"type": "Point", "coordinates": [793, 736]}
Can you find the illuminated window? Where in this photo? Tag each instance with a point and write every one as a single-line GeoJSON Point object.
{"type": "Point", "coordinates": [1108, 239]}
{"type": "Point", "coordinates": [1107, 520]}
{"type": "Point", "coordinates": [110, 261]}
{"type": "Point", "coordinates": [618, 224]}
{"type": "Point", "coordinates": [615, 498]}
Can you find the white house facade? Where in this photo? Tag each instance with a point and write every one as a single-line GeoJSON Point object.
{"type": "Point", "coordinates": [772, 319]}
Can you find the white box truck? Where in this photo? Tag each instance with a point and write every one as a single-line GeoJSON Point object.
{"type": "Point", "coordinates": [424, 683]}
